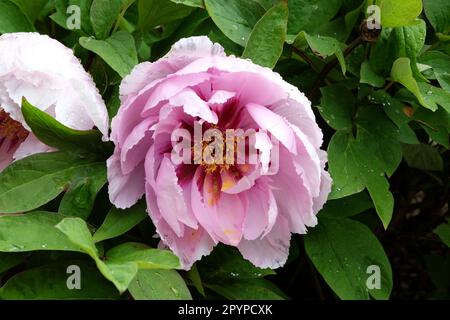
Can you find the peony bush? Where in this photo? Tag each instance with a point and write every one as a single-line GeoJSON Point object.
{"type": "Point", "coordinates": [239, 149]}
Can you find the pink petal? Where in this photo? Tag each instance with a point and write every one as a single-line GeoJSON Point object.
{"type": "Point", "coordinates": [124, 190]}
{"type": "Point", "coordinates": [276, 125]}
{"type": "Point", "coordinates": [31, 146]}
{"type": "Point", "coordinates": [194, 106]}
{"type": "Point", "coordinates": [223, 220]}
{"type": "Point", "coordinates": [293, 198]}
{"type": "Point", "coordinates": [171, 200]}
{"type": "Point", "coordinates": [171, 86]}
{"type": "Point", "coordinates": [301, 115]}
{"type": "Point", "coordinates": [261, 211]}
{"type": "Point", "coordinates": [273, 250]}
{"type": "Point", "coordinates": [190, 247]}
{"type": "Point", "coordinates": [193, 48]}
{"type": "Point", "coordinates": [136, 145]}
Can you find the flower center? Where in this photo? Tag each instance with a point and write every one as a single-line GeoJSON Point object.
{"type": "Point", "coordinates": [11, 129]}
{"type": "Point", "coordinates": [218, 154]}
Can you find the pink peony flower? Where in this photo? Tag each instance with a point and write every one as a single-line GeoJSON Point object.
{"type": "Point", "coordinates": [48, 75]}
{"type": "Point", "coordinates": [201, 201]}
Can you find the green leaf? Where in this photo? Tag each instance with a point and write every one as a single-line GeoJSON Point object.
{"type": "Point", "coordinates": [409, 41]}
{"type": "Point", "coordinates": [363, 162]}
{"type": "Point", "coordinates": [121, 263]}
{"type": "Point", "coordinates": [49, 282]}
{"type": "Point", "coordinates": [196, 280]}
{"type": "Point", "coordinates": [236, 18]}
{"type": "Point", "coordinates": [310, 15]}
{"type": "Point", "coordinates": [61, 16]}
{"type": "Point", "coordinates": [326, 47]}
{"type": "Point", "coordinates": [80, 197]}
{"type": "Point", "coordinates": [443, 231]}
{"type": "Point", "coordinates": [251, 289]}
{"type": "Point", "coordinates": [438, 13]}
{"type": "Point", "coordinates": [395, 110]}
{"type": "Point", "coordinates": [10, 260]}
{"type": "Point", "coordinates": [159, 285]}
{"type": "Point", "coordinates": [48, 130]}
{"type": "Point", "coordinates": [343, 260]}
{"type": "Point", "coordinates": [34, 181]}
{"type": "Point", "coordinates": [143, 256]}
{"type": "Point", "coordinates": [347, 207]}
{"type": "Point", "coordinates": [423, 157]}
{"type": "Point", "coordinates": [32, 9]}
{"type": "Point", "coordinates": [153, 13]}
{"type": "Point", "coordinates": [227, 263]}
{"type": "Point", "coordinates": [33, 232]}
{"type": "Point", "coordinates": [369, 76]}
{"type": "Point", "coordinates": [402, 73]}
{"type": "Point", "coordinates": [118, 222]}
{"type": "Point", "coordinates": [266, 41]}
{"type": "Point", "coordinates": [118, 51]}
{"type": "Point", "coordinates": [396, 13]}
{"type": "Point", "coordinates": [104, 14]}
{"type": "Point", "coordinates": [440, 62]}
{"type": "Point", "coordinates": [434, 96]}
{"type": "Point", "coordinates": [190, 3]}
{"type": "Point", "coordinates": [78, 233]}
{"type": "Point", "coordinates": [337, 107]}
{"type": "Point", "coordinates": [436, 124]}
{"type": "Point", "coordinates": [12, 19]}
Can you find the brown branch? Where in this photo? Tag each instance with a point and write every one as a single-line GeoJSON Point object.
{"type": "Point", "coordinates": [305, 57]}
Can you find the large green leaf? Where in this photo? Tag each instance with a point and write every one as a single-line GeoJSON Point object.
{"type": "Point", "coordinates": [10, 260]}
{"type": "Point", "coordinates": [395, 13]}
{"type": "Point", "coordinates": [368, 75]}
{"type": "Point", "coordinates": [32, 9]}
{"type": "Point", "coordinates": [343, 260]}
{"type": "Point", "coordinates": [104, 14]}
{"type": "Point", "coordinates": [266, 41]}
{"type": "Point", "coordinates": [326, 47]}
{"type": "Point", "coordinates": [409, 41]}
{"type": "Point", "coordinates": [310, 15]}
{"type": "Point", "coordinates": [438, 13]}
{"type": "Point", "coordinates": [121, 263]}
{"type": "Point", "coordinates": [251, 289]}
{"type": "Point", "coordinates": [118, 222]}
{"type": "Point", "coordinates": [337, 107]}
{"type": "Point", "coordinates": [49, 282]}
{"type": "Point", "coordinates": [423, 157]}
{"type": "Point", "coordinates": [402, 73]}
{"type": "Point", "coordinates": [61, 15]}
{"type": "Point", "coordinates": [80, 197]}
{"type": "Point", "coordinates": [159, 285]}
{"type": "Point", "coordinates": [236, 18]}
{"type": "Point", "coordinates": [118, 51]}
{"type": "Point", "coordinates": [228, 263]}
{"type": "Point", "coordinates": [33, 232]}
{"type": "Point", "coordinates": [190, 3]}
{"type": "Point", "coordinates": [12, 19]}
{"type": "Point", "coordinates": [34, 181]}
{"type": "Point", "coordinates": [363, 162]}
{"type": "Point", "coordinates": [440, 62]}
{"type": "Point", "coordinates": [153, 13]}
{"type": "Point", "coordinates": [348, 206]}
{"type": "Point", "coordinates": [56, 135]}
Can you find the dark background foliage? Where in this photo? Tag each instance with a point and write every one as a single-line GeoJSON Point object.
{"type": "Point", "coordinates": [381, 96]}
